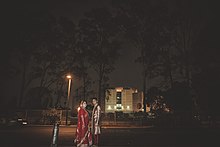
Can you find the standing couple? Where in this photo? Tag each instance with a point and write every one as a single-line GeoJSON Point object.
{"type": "Point", "coordinates": [84, 136]}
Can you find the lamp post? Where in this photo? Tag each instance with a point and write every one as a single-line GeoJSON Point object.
{"type": "Point", "coordinates": [68, 96]}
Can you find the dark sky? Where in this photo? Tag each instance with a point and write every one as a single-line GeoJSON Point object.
{"type": "Point", "coordinates": [74, 9]}
{"type": "Point", "coordinates": [126, 73]}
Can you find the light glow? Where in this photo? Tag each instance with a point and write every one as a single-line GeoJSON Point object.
{"type": "Point", "coordinates": [24, 123]}
{"type": "Point", "coordinates": [109, 107]}
{"type": "Point", "coordinates": [119, 89]}
{"type": "Point", "coordinates": [68, 77]}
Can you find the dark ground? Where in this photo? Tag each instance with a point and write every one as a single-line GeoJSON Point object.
{"type": "Point", "coordinates": [41, 136]}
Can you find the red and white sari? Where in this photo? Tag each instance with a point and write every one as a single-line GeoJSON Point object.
{"type": "Point", "coordinates": [83, 135]}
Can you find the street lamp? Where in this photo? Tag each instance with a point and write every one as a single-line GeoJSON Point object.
{"type": "Point", "coordinates": [68, 96]}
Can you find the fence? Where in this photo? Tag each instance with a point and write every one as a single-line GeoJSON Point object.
{"type": "Point", "coordinates": [45, 116]}
{"type": "Point", "coordinates": [50, 116]}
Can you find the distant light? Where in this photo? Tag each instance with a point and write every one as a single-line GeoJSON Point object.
{"type": "Point", "coordinates": [119, 89]}
{"type": "Point", "coordinates": [109, 107]}
{"type": "Point", "coordinates": [68, 77]}
{"type": "Point", "coordinates": [118, 105]}
{"type": "Point", "coordinates": [147, 108]}
{"type": "Point", "coordinates": [128, 107]}
{"type": "Point", "coordinates": [24, 123]}
{"type": "Point", "coordinates": [19, 119]}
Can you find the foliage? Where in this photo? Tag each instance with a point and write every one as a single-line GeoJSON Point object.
{"type": "Point", "coordinates": [145, 24]}
{"type": "Point", "coordinates": [51, 116]}
{"type": "Point", "coordinates": [32, 99]}
{"type": "Point", "coordinates": [179, 97]}
{"type": "Point", "coordinates": [99, 32]}
{"type": "Point", "coordinates": [41, 43]}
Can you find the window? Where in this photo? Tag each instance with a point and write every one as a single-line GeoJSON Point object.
{"type": "Point", "coordinates": [118, 100]}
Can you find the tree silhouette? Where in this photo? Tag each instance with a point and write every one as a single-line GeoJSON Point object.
{"type": "Point", "coordinates": [41, 44]}
{"type": "Point", "coordinates": [188, 24]}
{"type": "Point", "coordinates": [143, 24]}
{"type": "Point", "coordinates": [82, 65]}
{"type": "Point", "coordinates": [99, 33]}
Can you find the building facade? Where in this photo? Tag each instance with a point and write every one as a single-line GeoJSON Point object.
{"type": "Point", "coordinates": [127, 100]}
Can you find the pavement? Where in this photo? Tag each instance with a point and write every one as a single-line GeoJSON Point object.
{"type": "Point", "coordinates": [119, 136]}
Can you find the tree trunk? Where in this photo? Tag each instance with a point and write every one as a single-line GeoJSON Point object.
{"type": "Point", "coordinates": [59, 96]}
{"type": "Point", "coordinates": [84, 87]}
{"type": "Point", "coordinates": [100, 98]}
{"type": "Point", "coordinates": [144, 90]}
{"type": "Point", "coordinates": [23, 80]}
{"type": "Point", "coordinates": [170, 69]}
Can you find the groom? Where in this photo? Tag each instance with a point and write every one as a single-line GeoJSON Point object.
{"type": "Point", "coordinates": [95, 122]}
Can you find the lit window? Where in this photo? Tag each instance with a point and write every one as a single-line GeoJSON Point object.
{"type": "Point", "coordinates": [128, 107]}
{"type": "Point", "coordinates": [109, 107]}
{"type": "Point", "coordinates": [118, 98]}
{"type": "Point", "coordinates": [119, 89]}
{"type": "Point", "coordinates": [118, 106]}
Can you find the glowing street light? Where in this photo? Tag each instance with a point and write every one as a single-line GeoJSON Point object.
{"type": "Point", "coordinates": [69, 77]}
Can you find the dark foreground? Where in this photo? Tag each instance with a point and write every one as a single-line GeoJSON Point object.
{"type": "Point", "coordinates": [41, 136]}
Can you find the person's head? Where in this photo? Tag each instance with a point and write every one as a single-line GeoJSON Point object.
{"type": "Point", "coordinates": [94, 101]}
{"type": "Point", "coordinates": [83, 104]}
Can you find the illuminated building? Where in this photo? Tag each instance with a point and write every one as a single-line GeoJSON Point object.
{"type": "Point", "coordinates": [122, 99]}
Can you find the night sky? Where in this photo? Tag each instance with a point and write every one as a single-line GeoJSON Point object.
{"type": "Point", "coordinates": [127, 73]}
{"type": "Point", "coordinates": [74, 10]}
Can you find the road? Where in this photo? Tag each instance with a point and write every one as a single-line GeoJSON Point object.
{"type": "Point", "coordinates": [41, 136]}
